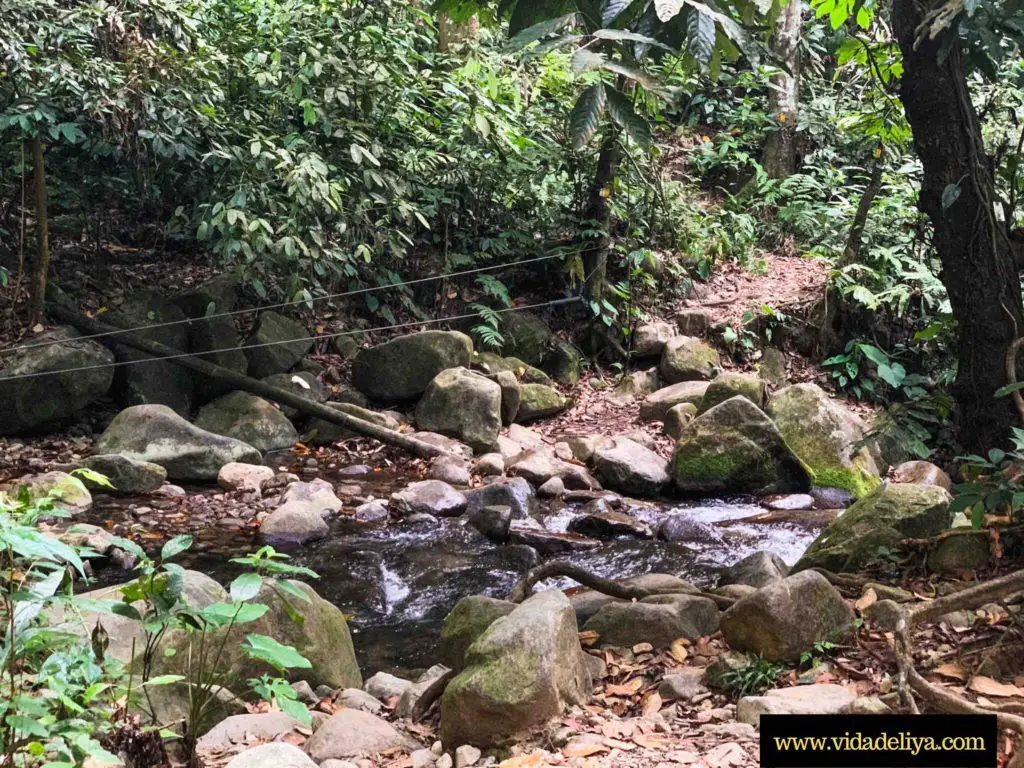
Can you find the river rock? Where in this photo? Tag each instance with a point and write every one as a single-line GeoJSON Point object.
{"type": "Point", "coordinates": [214, 296]}
{"type": "Point", "coordinates": [686, 358]}
{"type": "Point", "coordinates": [563, 362]}
{"type": "Point", "coordinates": [538, 401]}
{"type": "Point", "coordinates": [216, 339]}
{"type": "Point", "coordinates": [817, 699]}
{"type": "Point", "coordinates": [489, 465]}
{"type": "Point", "coordinates": [323, 432]}
{"type": "Point", "coordinates": [960, 552]}
{"type": "Point", "coordinates": [624, 465]}
{"type": "Point", "coordinates": [512, 492]}
{"type": "Point", "coordinates": [832, 498]}
{"type": "Point", "coordinates": [169, 706]}
{"type": "Point", "coordinates": [493, 522]}
{"type": "Point", "coordinates": [789, 502]}
{"type": "Point", "coordinates": [274, 755]}
{"type": "Point", "coordinates": [511, 395]}
{"type": "Point", "coordinates": [657, 404]}
{"type": "Point", "coordinates": [526, 336]}
{"type": "Point", "coordinates": [728, 385]}
{"type": "Point", "coordinates": [469, 619]}
{"type": "Point", "coordinates": [128, 476]}
{"type": "Point", "coordinates": [685, 527]}
{"type": "Point", "coordinates": [295, 521]}
{"type": "Point", "coordinates": [693, 322]}
{"type": "Point", "coordinates": [384, 686]}
{"type": "Point", "coordinates": [658, 620]}
{"type": "Point", "coordinates": [300, 383]}
{"type": "Point", "coordinates": [540, 465]}
{"type": "Point", "coordinates": [921, 473]}
{"type": "Point", "coordinates": [244, 477]}
{"type": "Point", "coordinates": [684, 684]}
{"type": "Point", "coordinates": [491, 363]}
{"type": "Point", "coordinates": [552, 488]}
{"type": "Point", "coordinates": [676, 419]}
{"type": "Point", "coordinates": [462, 404]}
{"type": "Point", "coordinates": [357, 699]}
{"type": "Point", "coordinates": [635, 384]}
{"type": "Point", "coordinates": [156, 433]}
{"type": "Point", "coordinates": [735, 448]}
{"type": "Point", "coordinates": [318, 493]}
{"type": "Point", "coordinates": [401, 369]}
{"type": "Point", "coordinates": [352, 733]}
{"type": "Point", "coordinates": [826, 438]}
{"type": "Point", "coordinates": [272, 327]}
{"type": "Point", "coordinates": [583, 447]}
{"type": "Point", "coordinates": [786, 618]}
{"type": "Point", "coordinates": [449, 469]}
{"type": "Point", "coordinates": [608, 524]}
{"type": "Point", "coordinates": [241, 729]}
{"type": "Point", "coordinates": [756, 570]}
{"type": "Point", "coordinates": [588, 602]}
{"type": "Point", "coordinates": [431, 497]}
{"type": "Point", "coordinates": [411, 696]}
{"type": "Point", "coordinates": [879, 521]}
{"type": "Point", "coordinates": [29, 403]}
{"type": "Point", "coordinates": [485, 706]}
{"type": "Point", "coordinates": [66, 492]}
{"type": "Point", "coordinates": [373, 511]}
{"type": "Point", "coordinates": [547, 542]}
{"type": "Point", "coordinates": [250, 419]}
{"type": "Point", "coordinates": [650, 339]}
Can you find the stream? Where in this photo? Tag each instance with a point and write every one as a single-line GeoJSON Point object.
{"type": "Point", "coordinates": [397, 581]}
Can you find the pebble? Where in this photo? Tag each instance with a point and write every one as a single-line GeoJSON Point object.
{"type": "Point", "coordinates": [553, 488]}
{"type": "Point", "coordinates": [422, 758]}
{"type": "Point", "coordinates": [354, 470]}
{"type": "Point", "coordinates": [437, 748]}
{"type": "Point", "coordinates": [444, 761]}
{"type": "Point", "coordinates": [466, 756]}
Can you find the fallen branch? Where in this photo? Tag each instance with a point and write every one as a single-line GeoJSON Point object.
{"type": "Point", "coordinates": [256, 387]}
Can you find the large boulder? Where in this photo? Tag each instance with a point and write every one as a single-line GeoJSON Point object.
{"type": "Point", "coordinates": [630, 468]}
{"type": "Point", "coordinates": [469, 619]}
{"type": "Point", "coordinates": [512, 492]}
{"type": "Point", "coordinates": [217, 339]}
{"type": "Point", "coordinates": [728, 385]}
{"type": "Point", "coordinates": [295, 522]}
{"type": "Point", "coordinates": [521, 671]}
{"type": "Point", "coordinates": [157, 434]}
{"type": "Point", "coordinates": [537, 401]}
{"type": "Point", "coordinates": [511, 394]}
{"type": "Point", "coordinates": [649, 340]}
{"type": "Point", "coordinates": [658, 620]}
{"type": "Point", "coordinates": [29, 403]}
{"type": "Point", "coordinates": [127, 475]}
{"type": "Point", "coordinates": [538, 465]}
{"type": "Point", "coordinates": [431, 497]}
{"type": "Point", "coordinates": [686, 358]}
{"type": "Point", "coordinates": [526, 336]}
{"type": "Point", "coordinates": [735, 448]}
{"type": "Point", "coordinates": [401, 369]}
{"type": "Point", "coordinates": [588, 602]}
{"type": "Point", "coordinates": [825, 437]}
{"type": "Point", "coordinates": [322, 432]}
{"type": "Point", "coordinates": [462, 404]}
{"type": "Point", "coordinates": [635, 385]}
{"type": "Point", "coordinates": [215, 296]}
{"type": "Point", "coordinates": [876, 524]}
{"type": "Point", "coordinates": [301, 383]}
{"type": "Point", "coordinates": [491, 363]}
{"type": "Point", "coordinates": [66, 492]}
{"type": "Point", "coordinates": [563, 362]}
{"type": "Point", "coordinates": [352, 733]}
{"type": "Point", "coordinates": [275, 344]}
{"type": "Point", "coordinates": [755, 570]}
{"type": "Point", "coordinates": [159, 382]}
{"type": "Point", "coordinates": [657, 404]}
{"type": "Point", "coordinates": [787, 618]}
{"type": "Point", "coordinates": [248, 418]}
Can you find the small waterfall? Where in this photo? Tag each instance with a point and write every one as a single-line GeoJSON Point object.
{"type": "Point", "coordinates": [393, 589]}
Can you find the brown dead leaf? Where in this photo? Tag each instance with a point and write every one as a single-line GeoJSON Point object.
{"type": "Point", "coordinates": [625, 689]}
{"type": "Point", "coordinates": [952, 671]}
{"type": "Point", "coordinates": [531, 760]}
{"type": "Point", "coordinates": [643, 648]}
{"type": "Point", "coordinates": [652, 704]}
{"type": "Point", "coordinates": [649, 741]}
{"type": "Point", "coordinates": [583, 749]}
{"type": "Point", "coordinates": [618, 729]}
{"type": "Point", "coordinates": [678, 650]}
{"type": "Point", "coordinates": [726, 755]}
{"type": "Point", "coordinates": [293, 738]}
{"type": "Point", "coordinates": [869, 598]}
{"type": "Point", "coordinates": [588, 638]}
{"type": "Point", "coordinates": [986, 686]}
{"type": "Point", "coordinates": [625, 746]}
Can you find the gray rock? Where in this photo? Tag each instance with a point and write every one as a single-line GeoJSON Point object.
{"type": "Point", "coordinates": [634, 385]}
{"type": "Point", "coordinates": [649, 340]}
{"type": "Point", "coordinates": [357, 699]}
{"type": "Point", "coordinates": [786, 618]}
{"type": "Point", "coordinates": [270, 328]}
{"type": "Point", "coordinates": [318, 493]}
{"type": "Point", "coordinates": [626, 466]}
{"type": "Point", "coordinates": [547, 542]}
{"type": "Point", "coordinates": [756, 570]}
{"type": "Point", "coordinates": [300, 383]}
{"type": "Point", "coordinates": [485, 705]}
{"type": "Point", "coordinates": [683, 527]}
{"type": "Point", "coordinates": [401, 369]}
{"type": "Point", "coordinates": [599, 522]}
{"type": "Point", "coordinates": [243, 477]}
{"type": "Point", "coordinates": [921, 473]}
{"type": "Point", "coordinates": [323, 432]}
{"type": "Point", "coordinates": [553, 488]}
{"type": "Point", "coordinates": [305, 693]}
{"type": "Point", "coordinates": [676, 419]}
{"type": "Point", "coordinates": [772, 368]}
{"type": "Point", "coordinates": [587, 603]}
{"type": "Point", "coordinates": [728, 385]}
{"type": "Point", "coordinates": [489, 465]}
{"type": "Point", "coordinates": [410, 696]}
{"type": "Point", "coordinates": [960, 552]}
{"type": "Point", "coordinates": [449, 469]}
{"type": "Point", "coordinates": [446, 443]}
{"type": "Point", "coordinates": [657, 404]}
{"type": "Point", "coordinates": [538, 401]}
{"type": "Point", "coordinates": [466, 756]}
{"type": "Point", "coordinates": [295, 521]}
{"type": "Point", "coordinates": [684, 684]}
{"type": "Point", "coordinates": [214, 296]}
{"type": "Point", "coordinates": [685, 358]}
{"type": "Point", "coordinates": [431, 497]}
{"type": "Point", "coordinates": [510, 395]}
{"type": "Point", "coordinates": [526, 336]}
{"type": "Point", "coordinates": [512, 492]}
{"type": "Point", "coordinates": [693, 322]}
{"type": "Point", "coordinates": [128, 476]}
{"type": "Point", "coordinates": [525, 437]}
{"type": "Point", "coordinates": [818, 699]}
{"type": "Point", "coordinates": [250, 419]}
{"type": "Point", "coordinates": [790, 502]}
{"type": "Point", "coordinates": [241, 729]}
{"type": "Point", "coordinates": [274, 755]}
{"type": "Point", "coordinates": [351, 733]}
{"type": "Point", "coordinates": [658, 620]}
{"type": "Point", "coordinates": [832, 498]}
{"type": "Point", "coordinates": [540, 465]}
{"type": "Point", "coordinates": [463, 404]}
{"type": "Point", "coordinates": [169, 706]}
{"type": "Point", "coordinates": [563, 362]}
{"type": "Point", "coordinates": [372, 511]}
{"type": "Point", "coordinates": [216, 339]}
{"type": "Point", "coordinates": [469, 619]}
{"type": "Point", "coordinates": [493, 522]}
{"type": "Point", "coordinates": [384, 686]}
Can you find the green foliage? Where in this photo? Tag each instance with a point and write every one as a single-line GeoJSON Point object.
{"type": "Point", "coordinates": [750, 680]}
{"type": "Point", "coordinates": [993, 484]}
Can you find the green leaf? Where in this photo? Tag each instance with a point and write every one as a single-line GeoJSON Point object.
{"type": "Point", "coordinates": [585, 61]}
{"type": "Point", "coordinates": [622, 112]}
{"type": "Point", "coordinates": [536, 27]}
{"type": "Point", "coordinates": [175, 546]}
{"type": "Point", "coordinates": [295, 708]}
{"type": "Point", "coordinates": [892, 375]}
{"type": "Point", "coordinates": [633, 73]}
{"type": "Point", "coordinates": [619, 35]}
{"type": "Point", "coordinates": [164, 680]}
{"type": "Point", "coordinates": [585, 117]}
{"type": "Point", "coordinates": [701, 34]}
{"type": "Point", "coordinates": [1009, 389]}
{"type": "Point", "coordinates": [612, 9]}
{"type": "Point", "coordinates": [246, 587]}
{"type": "Point", "coordinates": [950, 195]}
{"type": "Point", "coordinates": [668, 9]}
{"type": "Point", "coordinates": [93, 477]}
{"type": "Point", "coordinates": [281, 657]}
{"type": "Point", "coordinates": [874, 354]}
{"type": "Point", "coordinates": [220, 614]}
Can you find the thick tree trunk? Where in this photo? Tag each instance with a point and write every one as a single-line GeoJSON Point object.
{"type": "Point", "coordinates": [41, 264]}
{"type": "Point", "coordinates": [451, 33]}
{"type": "Point", "coordinates": [598, 216]}
{"type": "Point", "coordinates": [860, 219]}
{"type": "Point", "coordinates": [977, 263]}
{"type": "Point", "coordinates": [779, 159]}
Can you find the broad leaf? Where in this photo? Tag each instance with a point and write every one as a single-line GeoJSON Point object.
{"type": "Point", "coordinates": [612, 9]}
{"type": "Point", "coordinates": [668, 9]}
{"type": "Point", "coordinates": [175, 546]}
{"type": "Point", "coordinates": [622, 112]}
{"type": "Point", "coordinates": [625, 34]}
{"type": "Point", "coordinates": [246, 587]}
{"type": "Point", "coordinates": [585, 117]}
{"type": "Point", "coordinates": [701, 33]}
{"type": "Point", "coordinates": [584, 60]}
{"type": "Point", "coordinates": [637, 75]}
{"type": "Point", "coordinates": [533, 19]}
{"type": "Point", "coordinates": [220, 614]}
{"type": "Point", "coordinates": [281, 657]}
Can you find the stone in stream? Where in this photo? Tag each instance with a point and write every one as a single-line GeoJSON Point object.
{"type": "Point", "coordinates": [735, 448]}
{"type": "Point", "coordinates": [127, 475]}
{"type": "Point", "coordinates": [685, 358]}
{"type": "Point", "coordinates": [786, 618]}
{"type": "Point", "coordinates": [462, 404]}
{"type": "Point", "coordinates": [658, 620]}
{"type": "Point", "coordinates": [553, 488]}
{"type": "Point", "coordinates": [248, 418]}
{"type": "Point", "coordinates": [547, 542]}
{"type": "Point", "coordinates": [789, 502]}
{"type": "Point", "coordinates": [300, 383]}
{"type": "Point", "coordinates": [524, 669]}
{"type": "Point", "coordinates": [400, 370]}
{"type": "Point", "coordinates": [274, 357]}
{"type": "Point", "coordinates": [385, 686]}
{"type": "Point", "coordinates": [880, 520]}
{"type": "Point", "coordinates": [352, 733]}
{"type": "Point", "coordinates": [156, 433]}
{"type": "Point", "coordinates": [431, 497]}
{"type": "Point", "coordinates": [540, 464]}
{"type": "Point", "coordinates": [469, 619]}
{"type": "Point", "coordinates": [728, 385]}
{"type": "Point", "coordinates": [588, 602]}
{"type": "Point", "coordinates": [602, 522]}
{"type": "Point", "coordinates": [29, 403]}
{"type": "Point", "coordinates": [449, 469]}
{"type": "Point", "coordinates": [66, 492]}
{"type": "Point", "coordinates": [756, 570]}
{"type": "Point", "coordinates": [322, 432]}
{"type": "Point", "coordinates": [512, 492]}
{"type": "Point", "coordinates": [538, 401]}
{"type": "Point", "coordinates": [832, 498]}
{"type": "Point", "coordinates": [628, 467]}
{"type": "Point", "coordinates": [826, 437]}
{"type": "Point", "coordinates": [318, 493]}
{"type": "Point", "coordinates": [817, 699]}
{"type": "Point", "coordinates": [274, 755]}
{"type": "Point", "coordinates": [239, 729]}
{"type": "Point", "coordinates": [649, 340]}
{"type": "Point", "coordinates": [296, 522]}
{"type": "Point", "coordinates": [921, 473]}
{"type": "Point", "coordinates": [683, 527]}
{"type": "Point", "coordinates": [657, 404]}
{"type": "Point", "coordinates": [677, 417]}
{"type": "Point", "coordinates": [493, 522]}
{"type": "Point", "coordinates": [372, 512]}
{"type": "Point", "coordinates": [244, 477]}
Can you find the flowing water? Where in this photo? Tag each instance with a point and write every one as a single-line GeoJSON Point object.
{"type": "Point", "coordinates": [397, 581]}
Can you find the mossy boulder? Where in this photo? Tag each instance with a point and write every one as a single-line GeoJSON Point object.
{"type": "Point", "coordinates": [563, 362]}
{"type": "Point", "coordinates": [491, 363]}
{"type": "Point", "coordinates": [657, 404]}
{"type": "Point", "coordinates": [251, 419]}
{"type": "Point", "coordinates": [960, 552]}
{"type": "Point", "coordinates": [877, 523]}
{"type": "Point", "coordinates": [825, 437]}
{"type": "Point", "coordinates": [728, 385]}
{"type": "Point", "coordinates": [526, 336]}
{"type": "Point", "coordinates": [685, 358]}
{"type": "Point", "coordinates": [735, 448]}
{"type": "Point", "coordinates": [677, 417]}
{"type": "Point", "coordinates": [126, 475]}
{"type": "Point", "coordinates": [469, 619]}
{"type": "Point", "coordinates": [462, 404]}
{"type": "Point", "coordinates": [400, 370]}
{"type": "Point", "coordinates": [524, 669]}
{"type": "Point", "coordinates": [67, 492]}
{"type": "Point", "coordinates": [537, 401]}
{"type": "Point", "coordinates": [275, 357]}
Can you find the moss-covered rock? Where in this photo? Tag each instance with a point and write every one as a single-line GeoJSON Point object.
{"type": "Point", "coordinates": [275, 357]}
{"type": "Point", "coordinates": [563, 362]}
{"type": "Point", "coordinates": [401, 369]}
{"type": "Point", "coordinates": [677, 417]}
{"type": "Point", "coordinates": [462, 404]}
{"type": "Point", "coordinates": [469, 619]}
{"type": "Point", "coordinates": [657, 404]}
{"type": "Point", "coordinates": [538, 400]}
{"type": "Point", "coordinates": [526, 336]}
{"type": "Point", "coordinates": [67, 492]}
{"type": "Point", "coordinates": [876, 523]}
{"type": "Point", "coordinates": [727, 385]}
{"type": "Point", "coordinates": [248, 418]}
{"type": "Point", "coordinates": [688, 359]}
{"type": "Point", "coordinates": [126, 475]}
{"type": "Point", "coordinates": [825, 437]}
{"type": "Point", "coordinates": [491, 363]}
{"type": "Point", "coordinates": [735, 448]}
{"type": "Point", "coordinates": [960, 552]}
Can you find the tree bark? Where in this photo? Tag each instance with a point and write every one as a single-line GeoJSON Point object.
{"type": "Point", "coordinates": [860, 219]}
{"type": "Point", "coordinates": [41, 264]}
{"type": "Point", "coordinates": [977, 261]}
{"type": "Point", "coordinates": [451, 33]}
{"type": "Point", "coordinates": [779, 158]}
{"type": "Point", "coordinates": [598, 216]}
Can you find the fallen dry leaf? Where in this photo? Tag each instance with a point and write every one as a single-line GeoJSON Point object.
{"type": "Point", "coordinates": [726, 755]}
{"type": "Point", "coordinates": [652, 704]}
{"type": "Point", "coordinates": [986, 686]}
{"type": "Point", "coordinates": [649, 741]}
{"type": "Point", "coordinates": [588, 638]}
{"type": "Point", "coordinates": [869, 598]}
{"type": "Point", "coordinates": [643, 648]}
{"type": "Point", "coordinates": [678, 650]}
{"type": "Point", "coordinates": [952, 671]}
{"type": "Point", "coordinates": [625, 746]}
{"type": "Point", "coordinates": [583, 749]}
{"type": "Point", "coordinates": [626, 689]}
{"type": "Point", "coordinates": [531, 760]}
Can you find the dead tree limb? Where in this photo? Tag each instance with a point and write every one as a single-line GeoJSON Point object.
{"type": "Point", "coordinates": [243, 382]}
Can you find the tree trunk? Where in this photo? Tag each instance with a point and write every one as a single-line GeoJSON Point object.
{"type": "Point", "coordinates": [860, 219]}
{"type": "Point", "coordinates": [41, 265]}
{"type": "Point", "coordinates": [977, 264]}
{"type": "Point", "coordinates": [598, 216]}
{"type": "Point", "coordinates": [451, 33]}
{"type": "Point", "coordinates": [779, 158]}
